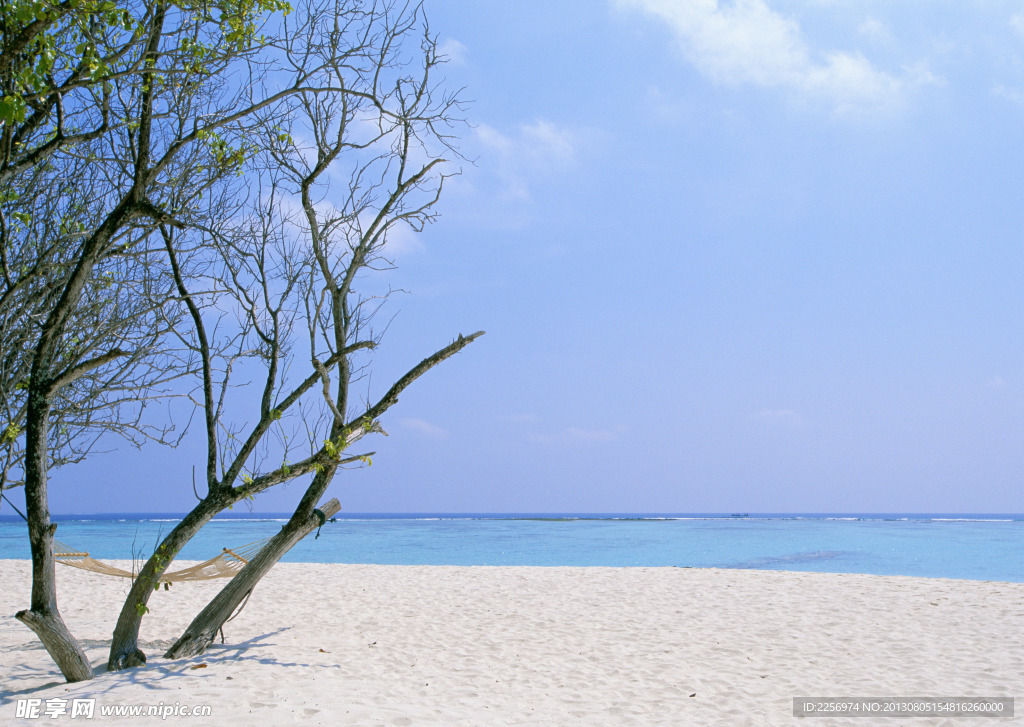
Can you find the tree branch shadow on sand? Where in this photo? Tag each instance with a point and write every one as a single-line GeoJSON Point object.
{"type": "Point", "coordinates": [160, 674]}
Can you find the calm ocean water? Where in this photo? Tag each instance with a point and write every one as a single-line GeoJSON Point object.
{"type": "Point", "coordinates": [978, 547]}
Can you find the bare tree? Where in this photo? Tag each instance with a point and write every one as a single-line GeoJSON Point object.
{"type": "Point", "coordinates": [300, 277]}
{"type": "Point", "coordinates": [143, 99]}
{"type": "Point", "coordinates": [221, 150]}
{"type": "Point", "coordinates": [59, 394]}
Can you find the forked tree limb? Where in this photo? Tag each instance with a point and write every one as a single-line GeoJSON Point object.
{"type": "Point", "coordinates": [207, 623]}
{"type": "Point", "coordinates": [201, 632]}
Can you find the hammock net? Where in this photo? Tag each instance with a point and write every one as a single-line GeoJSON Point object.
{"type": "Point", "coordinates": [225, 565]}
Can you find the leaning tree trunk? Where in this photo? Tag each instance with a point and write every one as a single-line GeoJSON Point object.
{"type": "Point", "coordinates": [201, 632]}
{"type": "Point", "coordinates": [124, 648]}
{"type": "Point", "coordinates": [43, 617]}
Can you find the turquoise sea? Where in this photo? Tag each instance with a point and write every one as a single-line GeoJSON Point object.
{"type": "Point", "coordinates": [978, 547]}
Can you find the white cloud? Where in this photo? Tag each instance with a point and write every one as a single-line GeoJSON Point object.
{"type": "Point", "coordinates": [1013, 95]}
{"type": "Point", "coordinates": [511, 165]}
{"type": "Point", "coordinates": [547, 142]}
{"type": "Point", "coordinates": [1017, 23]}
{"type": "Point", "coordinates": [875, 29]}
{"type": "Point", "coordinates": [454, 51]}
{"type": "Point", "coordinates": [424, 428]}
{"type": "Point", "coordinates": [746, 42]}
{"type": "Point", "coordinates": [531, 150]}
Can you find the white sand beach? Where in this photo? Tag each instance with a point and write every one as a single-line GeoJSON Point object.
{"type": "Point", "coordinates": [415, 645]}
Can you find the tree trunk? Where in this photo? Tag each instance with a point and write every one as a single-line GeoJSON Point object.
{"type": "Point", "coordinates": [62, 647]}
{"type": "Point", "coordinates": [124, 648]}
{"type": "Point", "coordinates": [43, 617]}
{"type": "Point", "coordinates": [204, 627]}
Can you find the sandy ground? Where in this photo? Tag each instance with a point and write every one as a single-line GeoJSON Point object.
{"type": "Point", "coordinates": [326, 644]}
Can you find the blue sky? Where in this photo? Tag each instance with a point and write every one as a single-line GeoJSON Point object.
{"type": "Point", "coordinates": [758, 256]}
